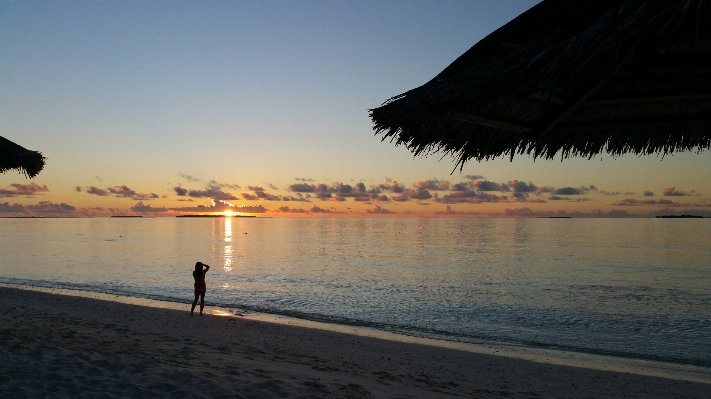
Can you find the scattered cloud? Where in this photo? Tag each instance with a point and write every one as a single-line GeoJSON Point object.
{"type": "Point", "coordinates": [123, 191]}
{"type": "Point", "coordinates": [221, 206]}
{"type": "Point", "coordinates": [146, 208]}
{"type": "Point", "coordinates": [485, 185]}
{"type": "Point", "coordinates": [648, 193]}
{"type": "Point", "coordinates": [379, 210]}
{"type": "Point", "coordinates": [692, 212]}
{"type": "Point", "coordinates": [302, 187]}
{"type": "Point", "coordinates": [96, 191]}
{"type": "Point", "coordinates": [315, 209]}
{"type": "Point", "coordinates": [50, 207]}
{"type": "Point", "coordinates": [672, 192]}
{"type": "Point", "coordinates": [303, 179]}
{"type": "Point", "coordinates": [16, 189]}
{"type": "Point", "coordinates": [569, 191]}
{"type": "Point", "coordinates": [432, 184]}
{"type": "Point", "coordinates": [5, 207]}
{"type": "Point", "coordinates": [213, 190]}
{"type": "Point", "coordinates": [474, 177]}
{"type": "Point", "coordinates": [286, 209]}
{"type": "Point", "coordinates": [449, 211]}
{"type": "Point", "coordinates": [189, 178]}
{"type": "Point", "coordinates": [527, 212]}
{"type": "Point", "coordinates": [393, 186]}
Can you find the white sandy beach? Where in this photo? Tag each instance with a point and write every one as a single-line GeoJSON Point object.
{"type": "Point", "coordinates": [69, 346]}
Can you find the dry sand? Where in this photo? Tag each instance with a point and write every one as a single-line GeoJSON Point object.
{"type": "Point", "coordinates": [68, 346]}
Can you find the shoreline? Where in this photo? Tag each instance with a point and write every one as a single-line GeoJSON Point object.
{"type": "Point", "coordinates": [539, 355]}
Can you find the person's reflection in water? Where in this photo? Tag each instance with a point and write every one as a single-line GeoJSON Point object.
{"type": "Point", "coordinates": [200, 287]}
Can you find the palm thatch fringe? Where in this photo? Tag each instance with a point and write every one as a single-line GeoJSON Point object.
{"type": "Point", "coordinates": [13, 156]}
{"type": "Point", "coordinates": [569, 77]}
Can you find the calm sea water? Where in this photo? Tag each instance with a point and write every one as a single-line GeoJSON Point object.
{"type": "Point", "coordinates": [638, 288]}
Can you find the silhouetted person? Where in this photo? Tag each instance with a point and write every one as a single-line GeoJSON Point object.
{"type": "Point", "coordinates": [200, 287]}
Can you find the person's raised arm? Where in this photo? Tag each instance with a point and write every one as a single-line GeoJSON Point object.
{"type": "Point", "coordinates": [207, 267]}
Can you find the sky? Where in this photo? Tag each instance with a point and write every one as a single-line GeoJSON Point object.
{"type": "Point", "coordinates": [159, 108]}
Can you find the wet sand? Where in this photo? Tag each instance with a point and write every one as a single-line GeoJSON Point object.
{"type": "Point", "coordinates": [69, 346]}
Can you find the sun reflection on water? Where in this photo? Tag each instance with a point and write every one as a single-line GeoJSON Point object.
{"type": "Point", "coordinates": [228, 258]}
{"type": "Point", "coordinates": [228, 229]}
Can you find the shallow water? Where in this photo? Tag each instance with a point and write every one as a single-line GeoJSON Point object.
{"type": "Point", "coordinates": [638, 288]}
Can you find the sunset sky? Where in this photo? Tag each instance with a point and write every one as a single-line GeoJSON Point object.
{"type": "Point", "coordinates": [159, 108]}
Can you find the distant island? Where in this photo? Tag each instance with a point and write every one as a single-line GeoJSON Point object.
{"type": "Point", "coordinates": [215, 216]}
{"type": "Point", "coordinates": [126, 216]}
{"type": "Point", "coordinates": [679, 217]}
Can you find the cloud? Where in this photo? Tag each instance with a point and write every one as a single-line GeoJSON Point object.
{"type": "Point", "coordinates": [5, 207]}
{"type": "Point", "coordinates": [448, 211]}
{"type": "Point", "coordinates": [123, 191]}
{"type": "Point", "coordinates": [527, 212]}
{"type": "Point", "coordinates": [96, 191]}
{"type": "Point", "coordinates": [147, 208]}
{"type": "Point", "coordinates": [412, 193]}
{"type": "Point", "coordinates": [273, 187]}
{"type": "Point", "coordinates": [98, 178]}
{"type": "Point", "coordinates": [485, 185]}
{"type": "Point", "coordinates": [557, 198]}
{"type": "Point", "coordinates": [286, 209]}
{"type": "Point", "coordinates": [261, 194]}
{"type": "Point", "coordinates": [180, 191]}
{"type": "Point", "coordinates": [189, 177]}
{"type": "Point", "coordinates": [221, 206]}
{"type": "Point", "coordinates": [15, 189]}
{"type": "Point", "coordinates": [474, 177]}
{"type": "Point", "coordinates": [213, 190]}
{"type": "Point", "coordinates": [302, 187]}
{"type": "Point", "coordinates": [379, 210]}
{"type": "Point", "coordinates": [671, 192]}
{"type": "Point", "coordinates": [304, 179]}
{"type": "Point", "coordinates": [50, 207]}
{"type": "Point", "coordinates": [648, 193]}
{"type": "Point", "coordinates": [77, 189]}
{"type": "Point", "coordinates": [466, 195]}
{"type": "Point", "coordinates": [692, 212]}
{"type": "Point", "coordinates": [249, 209]}
{"type": "Point", "coordinates": [635, 202]}
{"type": "Point", "coordinates": [432, 184]}
{"type": "Point", "coordinates": [664, 202]}
{"type": "Point", "coordinates": [393, 186]}
{"type": "Point", "coordinates": [315, 209]}
{"type": "Point", "coordinates": [213, 183]}
{"type": "Point", "coordinates": [522, 187]}
{"type": "Point", "coordinates": [569, 191]}
{"type": "Point", "coordinates": [546, 189]}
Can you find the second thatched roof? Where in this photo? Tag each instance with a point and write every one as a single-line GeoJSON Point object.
{"type": "Point", "coordinates": [13, 156]}
{"type": "Point", "coordinates": [572, 77]}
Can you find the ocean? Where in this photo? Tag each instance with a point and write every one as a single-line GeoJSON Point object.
{"type": "Point", "coordinates": [631, 288]}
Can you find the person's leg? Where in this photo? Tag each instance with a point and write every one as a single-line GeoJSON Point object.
{"type": "Point", "coordinates": [194, 303]}
{"type": "Point", "coordinates": [202, 301]}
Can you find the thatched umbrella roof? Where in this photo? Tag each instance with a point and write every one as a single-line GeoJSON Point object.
{"type": "Point", "coordinates": [13, 156]}
{"type": "Point", "coordinates": [568, 76]}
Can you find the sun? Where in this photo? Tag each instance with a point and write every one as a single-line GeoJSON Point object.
{"type": "Point", "coordinates": [229, 213]}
